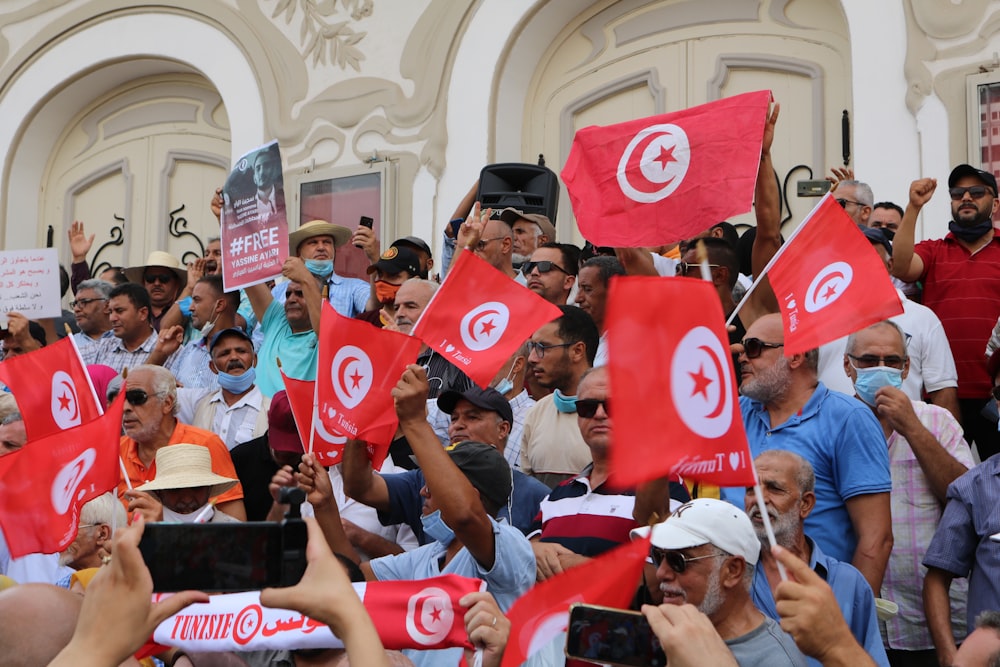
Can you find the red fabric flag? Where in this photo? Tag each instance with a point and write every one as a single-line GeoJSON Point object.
{"type": "Point", "coordinates": [358, 366]}
{"type": "Point", "coordinates": [676, 407]}
{"type": "Point", "coordinates": [829, 280]}
{"type": "Point", "coordinates": [327, 446]}
{"type": "Point", "coordinates": [479, 317]}
{"type": "Point", "coordinates": [52, 389]}
{"type": "Point", "coordinates": [542, 613]}
{"type": "Point", "coordinates": [42, 492]}
{"type": "Point", "coordinates": [661, 179]}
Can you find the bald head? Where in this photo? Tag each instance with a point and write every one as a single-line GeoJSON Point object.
{"type": "Point", "coordinates": [38, 622]}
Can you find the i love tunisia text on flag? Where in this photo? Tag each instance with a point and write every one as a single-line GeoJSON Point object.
{"type": "Point", "coordinates": [358, 367]}
{"type": "Point", "coordinates": [676, 407]}
{"type": "Point", "coordinates": [829, 280]}
{"type": "Point", "coordinates": [538, 616]}
{"type": "Point", "coordinates": [52, 387]}
{"type": "Point", "coordinates": [661, 179]}
{"type": "Point", "coordinates": [479, 317]}
{"type": "Point", "coordinates": [42, 492]}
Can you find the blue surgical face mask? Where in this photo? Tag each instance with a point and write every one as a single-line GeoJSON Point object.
{"type": "Point", "coordinates": [436, 528]}
{"type": "Point", "coordinates": [237, 384]}
{"type": "Point", "coordinates": [564, 403]}
{"type": "Point", "coordinates": [870, 380]}
{"type": "Point", "coordinates": [506, 384]}
{"type": "Point", "coordinates": [320, 267]}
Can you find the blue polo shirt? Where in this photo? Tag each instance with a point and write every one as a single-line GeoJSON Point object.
{"type": "Point", "coordinates": [840, 437]}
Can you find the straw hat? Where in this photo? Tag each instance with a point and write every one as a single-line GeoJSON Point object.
{"type": "Point", "coordinates": [340, 234]}
{"type": "Point", "coordinates": [162, 259]}
{"type": "Point", "coordinates": [185, 466]}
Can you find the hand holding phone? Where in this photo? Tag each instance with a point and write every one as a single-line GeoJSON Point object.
{"type": "Point", "coordinates": [614, 637]}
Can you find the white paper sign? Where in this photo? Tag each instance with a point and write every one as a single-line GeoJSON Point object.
{"type": "Point", "coordinates": [29, 283]}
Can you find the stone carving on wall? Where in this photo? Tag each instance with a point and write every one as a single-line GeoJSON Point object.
{"type": "Point", "coordinates": [324, 38]}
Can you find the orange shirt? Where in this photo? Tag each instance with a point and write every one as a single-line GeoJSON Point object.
{"type": "Point", "coordinates": [222, 463]}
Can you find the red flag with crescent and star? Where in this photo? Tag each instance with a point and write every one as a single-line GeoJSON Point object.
{"type": "Point", "coordinates": [676, 407]}
{"type": "Point", "coordinates": [358, 367]}
{"type": "Point", "coordinates": [829, 280]}
{"type": "Point", "coordinates": [658, 180]}
{"type": "Point", "coordinates": [479, 317]}
{"type": "Point", "coordinates": [42, 491]}
{"type": "Point", "coordinates": [538, 616]}
{"type": "Point", "coordinates": [52, 388]}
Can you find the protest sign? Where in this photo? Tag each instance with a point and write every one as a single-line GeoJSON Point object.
{"type": "Point", "coordinates": [29, 283]}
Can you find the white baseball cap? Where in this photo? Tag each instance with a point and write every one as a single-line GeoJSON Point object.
{"type": "Point", "coordinates": [706, 521]}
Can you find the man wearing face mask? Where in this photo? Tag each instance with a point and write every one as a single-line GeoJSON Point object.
{"type": "Point", "coordinates": [315, 243]}
{"type": "Point", "coordinates": [926, 454]}
{"type": "Point", "coordinates": [183, 486]}
{"type": "Point", "coordinates": [961, 278]}
{"type": "Point", "coordinates": [393, 268]}
{"type": "Point", "coordinates": [212, 309]}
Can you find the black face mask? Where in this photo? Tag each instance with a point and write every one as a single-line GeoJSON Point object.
{"type": "Point", "coordinates": [972, 232]}
{"type": "Point", "coordinates": [889, 234]}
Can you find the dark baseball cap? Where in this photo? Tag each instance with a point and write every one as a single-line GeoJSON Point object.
{"type": "Point", "coordinates": [414, 242]}
{"type": "Point", "coordinates": [968, 170]}
{"type": "Point", "coordinates": [487, 399]}
{"type": "Point", "coordinates": [877, 237]}
{"type": "Point", "coordinates": [485, 467]}
{"type": "Point", "coordinates": [232, 331]}
{"type": "Point", "coordinates": [282, 434]}
{"type": "Point", "coordinates": [396, 260]}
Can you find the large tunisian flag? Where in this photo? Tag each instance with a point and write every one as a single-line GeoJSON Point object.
{"type": "Point", "coordinates": [684, 418]}
{"type": "Point", "coordinates": [829, 280]}
{"type": "Point", "coordinates": [665, 178]}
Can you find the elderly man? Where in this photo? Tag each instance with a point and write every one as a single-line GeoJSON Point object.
{"type": "Point", "coordinates": [784, 406]}
{"type": "Point", "coordinates": [551, 271]}
{"type": "Point", "coordinates": [164, 277]}
{"type": "Point", "coordinates": [134, 337]}
{"type": "Point", "coordinates": [13, 435]}
{"type": "Point", "coordinates": [150, 424]}
{"type": "Point", "coordinates": [705, 553]}
{"type": "Point", "coordinates": [492, 240]}
{"type": "Point", "coordinates": [963, 547]}
{"type": "Point", "coordinates": [552, 449]}
{"type": "Point", "coordinates": [926, 454]}
{"type": "Point", "coordinates": [531, 231]}
{"type": "Point", "coordinates": [856, 199]}
{"type": "Point", "coordinates": [982, 647]}
{"type": "Point", "coordinates": [316, 243]}
{"type": "Point", "coordinates": [90, 308]}
{"type": "Point", "coordinates": [480, 415]}
{"type": "Point", "coordinates": [183, 486]}
{"type": "Point", "coordinates": [961, 278]}
{"type": "Point", "coordinates": [787, 482]}
{"type": "Point", "coordinates": [99, 519]}
{"type": "Point", "coordinates": [592, 296]}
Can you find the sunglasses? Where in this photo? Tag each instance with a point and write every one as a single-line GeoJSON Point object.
{"type": "Point", "coordinates": [754, 347]}
{"type": "Point", "coordinates": [844, 202]}
{"type": "Point", "coordinates": [83, 302]}
{"type": "Point", "coordinates": [481, 246]}
{"type": "Point", "coordinates": [587, 407]}
{"type": "Point", "coordinates": [683, 268]}
{"type": "Point", "coordinates": [872, 360]}
{"type": "Point", "coordinates": [543, 266]}
{"type": "Point", "coordinates": [162, 278]}
{"type": "Point", "coordinates": [137, 397]}
{"type": "Point", "coordinates": [976, 192]}
{"type": "Point", "coordinates": [677, 561]}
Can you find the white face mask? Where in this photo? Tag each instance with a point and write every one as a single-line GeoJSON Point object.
{"type": "Point", "coordinates": [170, 516]}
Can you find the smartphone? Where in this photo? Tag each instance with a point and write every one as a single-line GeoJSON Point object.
{"type": "Point", "coordinates": [366, 222]}
{"type": "Point", "coordinates": [612, 636]}
{"type": "Point", "coordinates": [224, 557]}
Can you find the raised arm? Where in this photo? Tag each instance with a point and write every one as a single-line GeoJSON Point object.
{"type": "Point", "coordinates": [361, 482]}
{"type": "Point", "coordinates": [906, 264]}
{"type": "Point", "coordinates": [767, 209]}
{"type": "Point", "coordinates": [295, 269]}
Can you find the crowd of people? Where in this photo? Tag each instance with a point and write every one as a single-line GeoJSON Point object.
{"type": "Point", "coordinates": [874, 452]}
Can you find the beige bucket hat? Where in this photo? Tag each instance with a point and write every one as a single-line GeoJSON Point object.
{"type": "Point", "coordinates": [340, 234]}
{"type": "Point", "coordinates": [161, 259]}
{"type": "Point", "coordinates": [186, 466]}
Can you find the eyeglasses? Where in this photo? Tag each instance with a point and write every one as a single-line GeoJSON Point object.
{"type": "Point", "coordinates": [137, 397]}
{"type": "Point", "coordinates": [162, 278]}
{"type": "Point", "coordinates": [587, 407]}
{"type": "Point", "coordinates": [844, 202]}
{"type": "Point", "coordinates": [481, 246]}
{"type": "Point", "coordinates": [543, 266]}
{"type": "Point", "coordinates": [975, 191]}
{"type": "Point", "coordinates": [683, 268]}
{"type": "Point", "coordinates": [83, 302]}
{"type": "Point", "coordinates": [872, 360]}
{"type": "Point", "coordinates": [677, 561]}
{"type": "Point", "coordinates": [539, 348]}
{"type": "Point", "coordinates": [754, 347]}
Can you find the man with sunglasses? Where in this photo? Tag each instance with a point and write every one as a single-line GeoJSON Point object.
{"type": "Point", "coordinates": [164, 277]}
{"type": "Point", "coordinates": [785, 406]}
{"type": "Point", "coordinates": [926, 454]}
{"type": "Point", "coordinates": [551, 272]}
{"type": "Point", "coordinates": [856, 199]}
{"type": "Point", "coordinates": [961, 278]}
{"type": "Point", "coordinates": [704, 554]}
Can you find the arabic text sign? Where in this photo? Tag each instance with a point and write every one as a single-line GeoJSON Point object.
{"type": "Point", "coordinates": [29, 283]}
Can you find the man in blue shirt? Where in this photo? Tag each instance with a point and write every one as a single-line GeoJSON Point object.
{"type": "Point", "coordinates": [787, 483]}
{"type": "Point", "coordinates": [785, 406]}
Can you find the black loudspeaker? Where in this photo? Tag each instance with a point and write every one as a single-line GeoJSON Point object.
{"type": "Point", "coordinates": [526, 187]}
